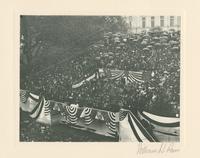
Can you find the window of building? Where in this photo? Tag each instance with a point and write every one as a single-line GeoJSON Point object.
{"type": "Point", "coordinates": [179, 21]}
{"type": "Point", "coordinates": [171, 21]}
{"type": "Point", "coordinates": [162, 21]}
{"type": "Point", "coordinates": [143, 22]}
{"type": "Point", "coordinates": [152, 21]}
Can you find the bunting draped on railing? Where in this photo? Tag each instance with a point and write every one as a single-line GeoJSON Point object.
{"type": "Point", "coordinates": [89, 115]}
{"type": "Point", "coordinates": [72, 114]}
{"type": "Point", "coordinates": [95, 120]}
{"type": "Point", "coordinates": [131, 129]}
{"type": "Point", "coordinates": [135, 77]}
{"type": "Point", "coordinates": [112, 122]}
{"type": "Point", "coordinates": [29, 101]}
{"type": "Point", "coordinates": [116, 74]}
{"type": "Point", "coordinates": [50, 112]}
{"type": "Point", "coordinates": [129, 76]}
{"type": "Point", "coordinates": [164, 128]}
{"type": "Point", "coordinates": [141, 127]}
{"type": "Point", "coordinates": [37, 107]}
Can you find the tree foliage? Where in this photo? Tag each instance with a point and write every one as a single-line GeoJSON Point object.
{"type": "Point", "coordinates": [67, 32]}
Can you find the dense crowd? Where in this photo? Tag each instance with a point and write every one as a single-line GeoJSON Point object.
{"type": "Point", "coordinates": [155, 51]}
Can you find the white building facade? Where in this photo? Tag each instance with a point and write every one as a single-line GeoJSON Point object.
{"type": "Point", "coordinates": [145, 23]}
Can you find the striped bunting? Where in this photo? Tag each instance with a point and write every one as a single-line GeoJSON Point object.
{"type": "Point", "coordinates": [23, 96]}
{"type": "Point", "coordinates": [122, 114]}
{"type": "Point", "coordinates": [135, 77]}
{"type": "Point", "coordinates": [87, 115]}
{"type": "Point", "coordinates": [136, 131]}
{"type": "Point", "coordinates": [168, 131]}
{"type": "Point", "coordinates": [29, 102]}
{"type": "Point", "coordinates": [112, 123]}
{"type": "Point", "coordinates": [72, 114]}
{"type": "Point", "coordinates": [139, 130]}
{"type": "Point", "coordinates": [126, 132]}
{"type": "Point", "coordinates": [116, 74]}
{"type": "Point", "coordinates": [47, 108]}
{"type": "Point", "coordinates": [120, 77]}
{"type": "Point", "coordinates": [132, 76]}
{"type": "Point", "coordinates": [35, 113]}
{"type": "Point", "coordinates": [160, 120]}
{"type": "Point", "coordinates": [34, 97]}
{"type": "Point", "coordinates": [44, 116]}
{"type": "Point", "coordinates": [88, 119]}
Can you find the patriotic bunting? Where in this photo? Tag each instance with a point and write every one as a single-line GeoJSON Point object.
{"type": "Point", "coordinates": [135, 77]}
{"type": "Point", "coordinates": [45, 115]}
{"type": "Point", "coordinates": [141, 127]}
{"type": "Point", "coordinates": [47, 108]}
{"type": "Point", "coordinates": [35, 113]}
{"type": "Point", "coordinates": [160, 119]}
{"type": "Point", "coordinates": [116, 74]}
{"type": "Point", "coordinates": [122, 114]}
{"type": "Point", "coordinates": [89, 115]}
{"type": "Point", "coordinates": [131, 129]}
{"type": "Point", "coordinates": [23, 96]}
{"type": "Point", "coordinates": [130, 76]}
{"type": "Point", "coordinates": [29, 101]}
{"type": "Point", "coordinates": [111, 121]}
{"type": "Point", "coordinates": [72, 111]}
{"type": "Point", "coordinates": [34, 97]}
{"type": "Point", "coordinates": [165, 128]}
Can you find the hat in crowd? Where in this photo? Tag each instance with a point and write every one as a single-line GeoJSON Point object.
{"type": "Point", "coordinates": [124, 39]}
{"type": "Point", "coordinates": [110, 53]}
{"type": "Point", "coordinates": [155, 38]}
{"type": "Point", "coordinates": [149, 46]}
{"type": "Point", "coordinates": [98, 58]}
{"type": "Point", "coordinates": [146, 49]}
{"type": "Point", "coordinates": [144, 42]}
{"type": "Point", "coordinates": [175, 48]}
{"type": "Point", "coordinates": [157, 44]}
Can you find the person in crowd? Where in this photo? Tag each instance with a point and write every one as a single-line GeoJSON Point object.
{"type": "Point", "coordinates": [158, 52]}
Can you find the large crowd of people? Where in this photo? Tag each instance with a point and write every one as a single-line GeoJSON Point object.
{"type": "Point", "coordinates": [155, 51]}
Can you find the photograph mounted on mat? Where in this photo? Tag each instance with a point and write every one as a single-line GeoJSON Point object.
{"type": "Point", "coordinates": [100, 78]}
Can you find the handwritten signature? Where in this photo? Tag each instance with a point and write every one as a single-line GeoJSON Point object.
{"type": "Point", "coordinates": [160, 149]}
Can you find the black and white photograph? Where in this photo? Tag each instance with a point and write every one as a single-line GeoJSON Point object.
{"type": "Point", "coordinates": [100, 78]}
